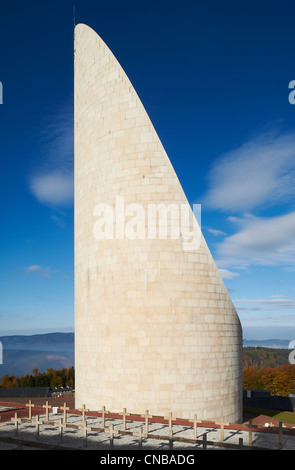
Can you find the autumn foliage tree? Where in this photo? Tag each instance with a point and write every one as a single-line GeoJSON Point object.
{"type": "Point", "coordinates": [50, 378]}
{"type": "Point", "coordinates": [278, 380]}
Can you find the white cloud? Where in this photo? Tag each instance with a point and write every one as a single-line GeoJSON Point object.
{"type": "Point", "coordinates": [52, 179]}
{"type": "Point", "coordinates": [42, 271]}
{"type": "Point", "coordinates": [34, 267]}
{"type": "Point", "coordinates": [215, 232]}
{"type": "Point", "coordinates": [53, 188]}
{"type": "Point", "coordinates": [59, 220]}
{"type": "Point", "coordinates": [226, 274]}
{"type": "Point", "coordinates": [260, 241]}
{"type": "Point", "coordinates": [259, 172]}
{"type": "Point", "coordinates": [265, 304]}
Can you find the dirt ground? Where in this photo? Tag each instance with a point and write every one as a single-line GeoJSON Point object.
{"type": "Point", "coordinates": [53, 401]}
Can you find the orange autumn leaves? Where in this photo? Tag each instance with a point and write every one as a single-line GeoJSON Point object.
{"type": "Point", "coordinates": [278, 380]}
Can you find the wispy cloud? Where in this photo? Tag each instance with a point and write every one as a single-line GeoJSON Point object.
{"type": "Point", "coordinates": [226, 274]}
{"type": "Point", "coordinates": [259, 241]}
{"type": "Point", "coordinates": [51, 181]}
{"type": "Point", "coordinates": [259, 172]}
{"type": "Point", "coordinates": [53, 188]}
{"type": "Point", "coordinates": [15, 316]}
{"type": "Point", "coordinates": [40, 270]}
{"type": "Point", "coordinates": [269, 304]}
{"type": "Point", "coordinates": [215, 232]}
{"type": "Point", "coordinates": [58, 220]}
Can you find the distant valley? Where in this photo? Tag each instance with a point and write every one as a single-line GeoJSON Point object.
{"type": "Point", "coordinates": [268, 343]}
{"type": "Point", "coordinates": [21, 354]}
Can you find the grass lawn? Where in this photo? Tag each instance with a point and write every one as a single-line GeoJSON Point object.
{"type": "Point", "coordinates": [285, 416]}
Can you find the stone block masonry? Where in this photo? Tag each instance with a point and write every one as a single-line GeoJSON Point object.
{"type": "Point", "coordinates": [155, 327]}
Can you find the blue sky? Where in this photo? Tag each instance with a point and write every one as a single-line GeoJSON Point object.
{"type": "Point", "coordinates": [213, 77]}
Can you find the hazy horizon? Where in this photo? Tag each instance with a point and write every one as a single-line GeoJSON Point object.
{"type": "Point", "coordinates": [249, 333]}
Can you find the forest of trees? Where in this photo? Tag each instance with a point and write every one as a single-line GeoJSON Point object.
{"type": "Point", "coordinates": [268, 369]}
{"type": "Point", "coordinates": [51, 378]}
{"type": "Point", "coordinates": [259, 357]}
{"type": "Point", "coordinates": [278, 380]}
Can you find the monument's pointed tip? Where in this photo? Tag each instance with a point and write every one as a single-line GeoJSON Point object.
{"type": "Point", "coordinates": [84, 29]}
{"type": "Point", "coordinates": [82, 25]}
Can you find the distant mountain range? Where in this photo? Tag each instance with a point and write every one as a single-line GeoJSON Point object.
{"type": "Point", "coordinates": [42, 342]}
{"type": "Point", "coordinates": [21, 354]}
{"type": "Point", "coordinates": [268, 343]}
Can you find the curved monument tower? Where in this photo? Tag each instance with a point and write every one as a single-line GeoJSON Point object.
{"type": "Point", "coordinates": [155, 327]}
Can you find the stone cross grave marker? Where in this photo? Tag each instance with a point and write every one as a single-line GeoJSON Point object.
{"type": "Point", "coordinates": [280, 443]}
{"type": "Point", "coordinates": [103, 416]}
{"type": "Point", "coordinates": [16, 420]}
{"type": "Point", "coordinates": [196, 421]}
{"type": "Point", "coordinates": [61, 425]}
{"type": "Point", "coordinates": [124, 418]}
{"type": "Point", "coordinates": [170, 430]}
{"type": "Point", "coordinates": [47, 406]}
{"type": "Point", "coordinates": [30, 406]}
{"type": "Point", "coordinates": [146, 416]}
{"type": "Point", "coordinates": [65, 408]}
{"type": "Point", "coordinates": [250, 432]}
{"type": "Point", "coordinates": [38, 423]}
{"type": "Point", "coordinates": [139, 434]}
{"type": "Point", "coordinates": [83, 409]}
{"type": "Point", "coordinates": [84, 428]}
{"type": "Point", "coordinates": [112, 433]}
{"type": "Point", "coordinates": [222, 424]}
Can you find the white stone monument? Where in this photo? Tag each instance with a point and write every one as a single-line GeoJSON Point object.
{"type": "Point", "coordinates": [155, 327]}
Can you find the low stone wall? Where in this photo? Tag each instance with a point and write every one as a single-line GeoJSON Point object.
{"type": "Point", "coordinates": [263, 399]}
